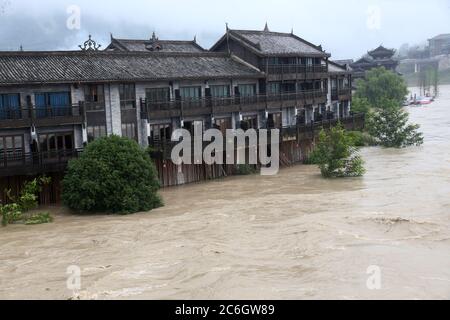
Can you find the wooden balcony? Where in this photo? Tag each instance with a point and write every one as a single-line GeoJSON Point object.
{"type": "Point", "coordinates": [212, 106]}
{"type": "Point", "coordinates": [308, 131]}
{"type": "Point", "coordinates": [35, 163]}
{"type": "Point", "coordinates": [295, 72]}
{"type": "Point", "coordinates": [163, 148]}
{"type": "Point", "coordinates": [48, 116]}
{"type": "Point", "coordinates": [341, 94]}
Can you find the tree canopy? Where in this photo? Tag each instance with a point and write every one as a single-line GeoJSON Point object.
{"type": "Point", "coordinates": [381, 85]}
{"type": "Point", "coordinates": [336, 154]}
{"type": "Point", "coordinates": [113, 175]}
{"type": "Point", "coordinates": [382, 94]}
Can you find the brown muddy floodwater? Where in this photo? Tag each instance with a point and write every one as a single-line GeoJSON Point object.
{"type": "Point", "coordinates": [291, 236]}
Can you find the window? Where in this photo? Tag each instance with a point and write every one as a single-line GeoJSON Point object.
{"type": "Point", "coordinates": [129, 130]}
{"type": "Point", "coordinates": [161, 132]}
{"type": "Point", "coordinates": [94, 96]}
{"type": "Point", "coordinates": [247, 90]}
{"type": "Point", "coordinates": [52, 104]}
{"type": "Point", "coordinates": [273, 87]}
{"type": "Point", "coordinates": [274, 60]}
{"type": "Point", "coordinates": [54, 144]}
{"type": "Point", "coordinates": [191, 93]}
{"type": "Point", "coordinates": [249, 122]}
{"type": "Point", "coordinates": [275, 120]}
{"type": "Point", "coordinates": [288, 87]}
{"type": "Point", "coordinates": [158, 94]}
{"type": "Point", "coordinates": [11, 148]}
{"type": "Point", "coordinates": [127, 96]}
{"type": "Point", "coordinates": [220, 91]}
{"type": "Point", "coordinates": [95, 132]}
{"type": "Point", "coordinates": [223, 124]}
{"type": "Point", "coordinates": [9, 106]}
{"type": "Point", "coordinates": [334, 84]}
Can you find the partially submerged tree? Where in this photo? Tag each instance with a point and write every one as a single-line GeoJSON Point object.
{"type": "Point", "coordinates": [17, 211]}
{"type": "Point", "coordinates": [113, 175]}
{"type": "Point", "coordinates": [387, 121]}
{"type": "Point", "coordinates": [360, 105]}
{"type": "Point", "coordinates": [336, 155]}
{"type": "Point", "coordinates": [389, 126]}
{"type": "Point", "coordinates": [380, 85]}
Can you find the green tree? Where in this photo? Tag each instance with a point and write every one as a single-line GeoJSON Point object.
{"type": "Point", "coordinates": [17, 210]}
{"type": "Point", "coordinates": [389, 126]}
{"type": "Point", "coordinates": [381, 85]}
{"type": "Point", "coordinates": [336, 155]}
{"type": "Point", "coordinates": [113, 175]}
{"type": "Point", "coordinates": [360, 105]}
{"type": "Point", "coordinates": [387, 121]}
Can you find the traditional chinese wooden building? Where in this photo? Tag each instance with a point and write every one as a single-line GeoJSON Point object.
{"type": "Point", "coordinates": [379, 57]}
{"type": "Point", "coordinates": [54, 103]}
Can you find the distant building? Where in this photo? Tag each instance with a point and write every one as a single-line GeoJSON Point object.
{"type": "Point", "coordinates": [439, 45]}
{"type": "Point", "coordinates": [380, 57]}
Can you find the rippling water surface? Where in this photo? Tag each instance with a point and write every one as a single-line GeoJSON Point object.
{"type": "Point", "coordinates": [292, 236]}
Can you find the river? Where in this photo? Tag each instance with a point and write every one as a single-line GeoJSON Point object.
{"type": "Point", "coordinates": [291, 236]}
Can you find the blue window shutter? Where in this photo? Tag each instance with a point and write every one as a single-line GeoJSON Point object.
{"type": "Point", "coordinates": [40, 100]}
{"type": "Point", "coordinates": [13, 101]}
{"type": "Point", "coordinates": [59, 103]}
{"type": "Point", "coordinates": [41, 104]}
{"type": "Point", "coordinates": [2, 110]}
{"type": "Point", "coordinates": [59, 100]}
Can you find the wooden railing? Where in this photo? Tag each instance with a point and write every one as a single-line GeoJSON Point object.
{"type": "Point", "coordinates": [352, 122]}
{"type": "Point", "coordinates": [295, 68]}
{"type": "Point", "coordinates": [211, 102]}
{"type": "Point", "coordinates": [28, 115]}
{"type": "Point", "coordinates": [335, 93]}
{"type": "Point", "coordinates": [18, 163]}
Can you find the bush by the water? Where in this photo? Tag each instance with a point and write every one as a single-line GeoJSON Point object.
{"type": "Point", "coordinates": [112, 175]}
{"type": "Point", "coordinates": [336, 155]}
{"type": "Point", "coordinates": [16, 211]}
{"type": "Point", "coordinates": [39, 218]}
{"type": "Point", "coordinates": [390, 127]}
{"type": "Point", "coordinates": [245, 169]}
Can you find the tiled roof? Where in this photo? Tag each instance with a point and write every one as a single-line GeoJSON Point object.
{"type": "Point", "coordinates": [79, 66]}
{"type": "Point", "coordinates": [382, 51]}
{"type": "Point", "coordinates": [146, 45]}
{"type": "Point", "coordinates": [275, 43]}
{"type": "Point", "coordinates": [334, 67]}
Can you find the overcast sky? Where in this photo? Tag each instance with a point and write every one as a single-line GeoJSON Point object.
{"type": "Point", "coordinates": [346, 28]}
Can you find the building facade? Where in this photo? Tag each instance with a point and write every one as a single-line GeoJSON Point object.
{"type": "Point", "coordinates": [439, 45]}
{"type": "Point", "coordinates": [379, 57]}
{"type": "Point", "coordinates": [52, 104]}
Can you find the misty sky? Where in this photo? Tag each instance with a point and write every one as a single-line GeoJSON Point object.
{"type": "Point", "coordinates": [346, 28]}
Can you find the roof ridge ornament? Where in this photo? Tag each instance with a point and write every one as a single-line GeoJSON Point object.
{"type": "Point", "coordinates": [266, 28]}
{"type": "Point", "coordinates": [154, 38]}
{"type": "Point", "coordinates": [90, 45]}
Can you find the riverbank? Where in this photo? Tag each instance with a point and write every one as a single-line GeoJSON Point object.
{"type": "Point", "coordinates": [291, 236]}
